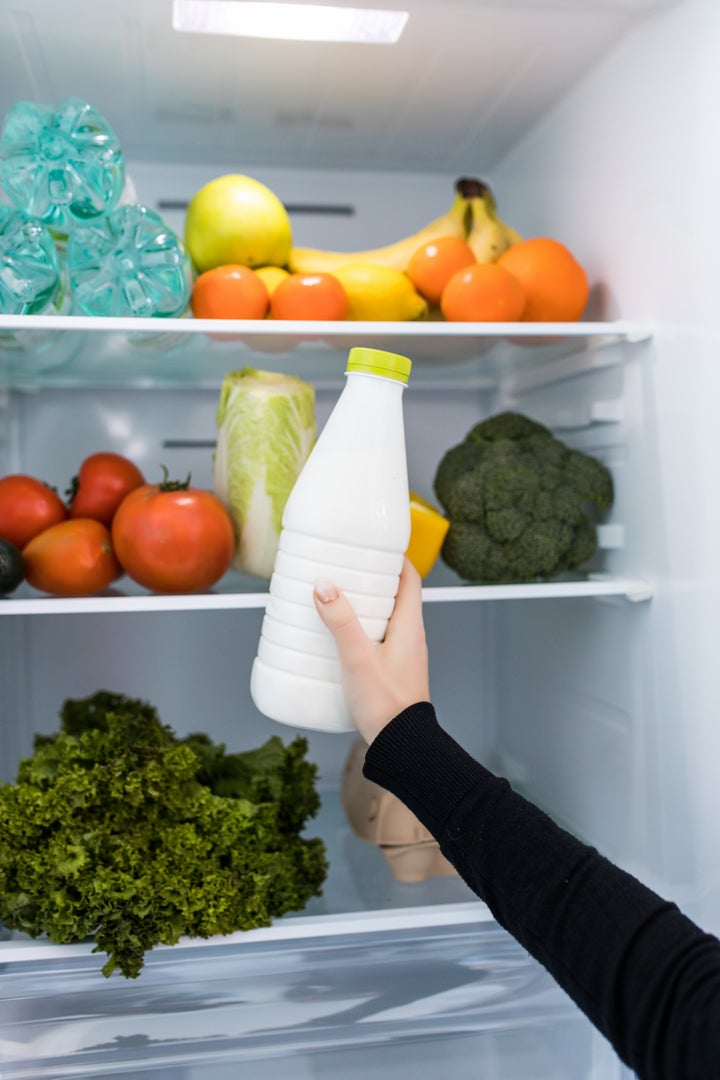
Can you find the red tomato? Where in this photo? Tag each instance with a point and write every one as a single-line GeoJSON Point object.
{"type": "Point", "coordinates": [102, 482]}
{"type": "Point", "coordinates": [172, 538]}
{"type": "Point", "coordinates": [27, 506]}
{"type": "Point", "coordinates": [73, 558]}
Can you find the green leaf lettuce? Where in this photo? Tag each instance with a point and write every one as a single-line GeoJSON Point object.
{"type": "Point", "coordinates": [119, 830]}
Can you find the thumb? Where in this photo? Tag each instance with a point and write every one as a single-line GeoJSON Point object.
{"type": "Point", "coordinates": [339, 617]}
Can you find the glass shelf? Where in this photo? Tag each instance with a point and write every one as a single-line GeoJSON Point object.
{"type": "Point", "coordinates": [68, 351]}
{"type": "Point", "coordinates": [237, 593]}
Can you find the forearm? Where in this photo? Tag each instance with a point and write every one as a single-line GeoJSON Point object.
{"type": "Point", "coordinates": [642, 972]}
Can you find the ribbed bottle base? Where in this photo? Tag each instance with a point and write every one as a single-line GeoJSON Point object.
{"type": "Point", "coordinates": [299, 701]}
{"type": "Point", "coordinates": [296, 678]}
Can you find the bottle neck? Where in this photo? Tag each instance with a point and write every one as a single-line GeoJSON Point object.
{"type": "Point", "coordinates": [373, 384]}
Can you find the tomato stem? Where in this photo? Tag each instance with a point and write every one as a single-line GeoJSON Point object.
{"type": "Point", "coordinates": [72, 491]}
{"type": "Point", "coordinates": [173, 485]}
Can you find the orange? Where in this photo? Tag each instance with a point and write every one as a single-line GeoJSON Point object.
{"type": "Point", "coordinates": [428, 528]}
{"type": "Point", "coordinates": [433, 264]}
{"type": "Point", "coordinates": [309, 296]}
{"type": "Point", "coordinates": [483, 292]}
{"type": "Point", "coordinates": [555, 283]}
{"type": "Point", "coordinates": [229, 292]}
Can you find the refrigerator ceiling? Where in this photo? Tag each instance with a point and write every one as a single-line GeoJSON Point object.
{"type": "Point", "coordinates": [461, 86]}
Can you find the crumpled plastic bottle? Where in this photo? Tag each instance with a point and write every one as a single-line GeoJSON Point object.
{"type": "Point", "coordinates": [32, 279]}
{"type": "Point", "coordinates": [129, 263]}
{"type": "Point", "coordinates": [60, 165]}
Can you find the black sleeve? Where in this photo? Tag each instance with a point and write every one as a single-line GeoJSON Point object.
{"type": "Point", "coordinates": [647, 977]}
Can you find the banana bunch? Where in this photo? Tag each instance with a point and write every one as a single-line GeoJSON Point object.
{"type": "Point", "coordinates": [472, 217]}
{"type": "Point", "coordinates": [488, 236]}
{"type": "Point", "coordinates": [394, 256]}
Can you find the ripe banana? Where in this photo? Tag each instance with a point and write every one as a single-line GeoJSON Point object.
{"type": "Point", "coordinates": [487, 239]}
{"type": "Point", "coordinates": [513, 235]}
{"type": "Point", "coordinates": [489, 236]}
{"type": "Point", "coordinates": [394, 256]}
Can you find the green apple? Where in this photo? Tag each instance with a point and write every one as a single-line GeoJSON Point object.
{"type": "Point", "coordinates": [235, 219]}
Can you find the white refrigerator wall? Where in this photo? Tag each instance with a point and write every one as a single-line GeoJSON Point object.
{"type": "Point", "coordinates": [626, 171]}
{"type": "Point", "coordinates": [604, 711]}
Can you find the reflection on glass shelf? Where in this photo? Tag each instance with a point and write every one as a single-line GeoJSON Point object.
{"type": "Point", "coordinates": [385, 1004]}
{"type": "Point", "coordinates": [74, 350]}
{"type": "Point", "coordinates": [236, 592]}
{"type": "Point", "coordinates": [391, 982]}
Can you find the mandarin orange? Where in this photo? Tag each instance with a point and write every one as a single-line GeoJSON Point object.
{"type": "Point", "coordinates": [483, 292]}
{"type": "Point", "coordinates": [555, 284]}
{"type": "Point", "coordinates": [309, 296]}
{"type": "Point", "coordinates": [433, 264]}
{"type": "Point", "coordinates": [229, 292]}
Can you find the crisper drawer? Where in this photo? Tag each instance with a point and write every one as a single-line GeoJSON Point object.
{"type": "Point", "coordinates": [418, 1003]}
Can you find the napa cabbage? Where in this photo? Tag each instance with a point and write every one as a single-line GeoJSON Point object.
{"type": "Point", "coordinates": [265, 431]}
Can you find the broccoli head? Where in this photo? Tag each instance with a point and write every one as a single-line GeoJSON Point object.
{"type": "Point", "coordinates": [521, 503]}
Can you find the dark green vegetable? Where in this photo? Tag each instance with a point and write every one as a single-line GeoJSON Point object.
{"type": "Point", "coordinates": [520, 502]}
{"type": "Point", "coordinates": [12, 568]}
{"type": "Point", "coordinates": [119, 830]}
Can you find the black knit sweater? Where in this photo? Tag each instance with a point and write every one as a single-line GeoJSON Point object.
{"type": "Point", "coordinates": [645, 975]}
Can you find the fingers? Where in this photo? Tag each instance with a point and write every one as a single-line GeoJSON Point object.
{"type": "Point", "coordinates": [339, 617]}
{"type": "Point", "coordinates": [337, 613]}
{"type": "Point", "coordinates": [407, 612]}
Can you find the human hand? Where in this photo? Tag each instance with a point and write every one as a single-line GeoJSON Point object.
{"type": "Point", "coordinates": [379, 681]}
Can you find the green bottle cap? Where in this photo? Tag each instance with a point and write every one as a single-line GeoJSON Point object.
{"type": "Point", "coordinates": [377, 362]}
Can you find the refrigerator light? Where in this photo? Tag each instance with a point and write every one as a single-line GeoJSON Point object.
{"type": "Point", "coordinates": [295, 22]}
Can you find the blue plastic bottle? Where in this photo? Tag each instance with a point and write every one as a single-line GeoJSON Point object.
{"type": "Point", "coordinates": [129, 264]}
{"type": "Point", "coordinates": [32, 281]}
{"type": "Point", "coordinates": [61, 166]}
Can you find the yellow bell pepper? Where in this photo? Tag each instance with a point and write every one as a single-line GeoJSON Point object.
{"type": "Point", "coordinates": [428, 528]}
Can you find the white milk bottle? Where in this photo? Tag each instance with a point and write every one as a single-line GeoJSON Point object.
{"type": "Point", "coordinates": [347, 520]}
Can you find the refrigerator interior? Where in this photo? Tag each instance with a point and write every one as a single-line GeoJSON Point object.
{"type": "Point", "coordinates": [589, 120]}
